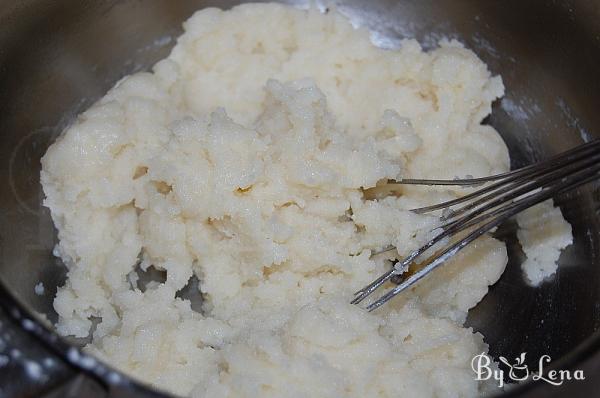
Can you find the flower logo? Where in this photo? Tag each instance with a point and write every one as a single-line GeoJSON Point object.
{"type": "Point", "coordinates": [519, 370]}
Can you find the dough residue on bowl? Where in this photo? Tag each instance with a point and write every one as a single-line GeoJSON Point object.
{"type": "Point", "coordinates": [543, 233]}
{"type": "Point", "coordinates": [240, 160]}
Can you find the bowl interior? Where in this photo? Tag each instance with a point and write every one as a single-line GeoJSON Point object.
{"type": "Point", "coordinates": [58, 57]}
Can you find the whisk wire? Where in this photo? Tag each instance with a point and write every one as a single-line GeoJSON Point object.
{"type": "Point", "coordinates": [516, 176]}
{"type": "Point", "coordinates": [563, 156]}
{"type": "Point", "coordinates": [496, 198]}
{"type": "Point", "coordinates": [489, 207]}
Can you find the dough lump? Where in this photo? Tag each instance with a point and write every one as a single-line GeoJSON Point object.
{"type": "Point", "coordinates": [239, 160]}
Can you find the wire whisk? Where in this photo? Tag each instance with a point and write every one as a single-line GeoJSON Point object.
{"type": "Point", "coordinates": [477, 213]}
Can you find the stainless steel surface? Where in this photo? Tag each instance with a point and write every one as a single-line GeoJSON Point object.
{"type": "Point", "coordinates": [57, 57]}
{"type": "Point", "coordinates": [487, 208]}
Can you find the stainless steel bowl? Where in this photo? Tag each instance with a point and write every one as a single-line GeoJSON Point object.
{"type": "Point", "coordinates": [58, 57]}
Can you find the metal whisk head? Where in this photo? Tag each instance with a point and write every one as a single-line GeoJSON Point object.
{"type": "Point", "coordinates": [475, 214]}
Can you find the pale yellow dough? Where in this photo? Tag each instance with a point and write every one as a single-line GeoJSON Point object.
{"type": "Point", "coordinates": [239, 159]}
{"type": "Point", "coordinates": [543, 233]}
